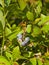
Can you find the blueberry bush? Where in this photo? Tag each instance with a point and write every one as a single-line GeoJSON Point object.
{"type": "Point", "coordinates": [24, 32]}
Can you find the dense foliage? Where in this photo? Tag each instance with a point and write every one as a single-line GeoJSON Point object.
{"type": "Point", "coordinates": [24, 32]}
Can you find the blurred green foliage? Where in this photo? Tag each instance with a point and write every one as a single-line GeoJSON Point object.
{"type": "Point", "coordinates": [29, 20]}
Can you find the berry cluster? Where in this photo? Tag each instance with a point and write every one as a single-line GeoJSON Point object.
{"type": "Point", "coordinates": [26, 40]}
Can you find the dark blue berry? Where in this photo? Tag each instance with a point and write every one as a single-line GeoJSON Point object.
{"type": "Point", "coordinates": [23, 43]}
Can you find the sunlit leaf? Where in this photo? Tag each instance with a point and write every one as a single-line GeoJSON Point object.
{"type": "Point", "coordinates": [2, 2]}
{"type": "Point", "coordinates": [43, 20]}
{"type": "Point", "coordinates": [38, 8]}
{"type": "Point", "coordinates": [2, 19]}
{"type": "Point", "coordinates": [40, 62]}
{"type": "Point", "coordinates": [36, 31]}
{"type": "Point", "coordinates": [36, 20]}
{"type": "Point", "coordinates": [33, 61]}
{"type": "Point", "coordinates": [22, 4]}
{"type": "Point", "coordinates": [16, 53]}
{"type": "Point", "coordinates": [7, 31]}
{"type": "Point", "coordinates": [4, 61]}
{"type": "Point", "coordinates": [13, 34]}
{"type": "Point", "coordinates": [45, 28]}
{"type": "Point", "coordinates": [9, 56]}
{"type": "Point", "coordinates": [30, 16]}
{"type": "Point", "coordinates": [28, 29]}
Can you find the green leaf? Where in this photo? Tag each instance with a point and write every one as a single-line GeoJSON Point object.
{"type": "Point", "coordinates": [7, 2]}
{"type": "Point", "coordinates": [7, 31]}
{"type": "Point", "coordinates": [38, 8]}
{"type": "Point", "coordinates": [45, 28]}
{"type": "Point", "coordinates": [33, 61]}
{"type": "Point", "coordinates": [28, 29]}
{"type": "Point", "coordinates": [4, 61]}
{"type": "Point", "coordinates": [22, 4]}
{"type": "Point", "coordinates": [1, 28]}
{"type": "Point", "coordinates": [2, 3]}
{"type": "Point", "coordinates": [13, 26]}
{"type": "Point", "coordinates": [30, 16]}
{"type": "Point", "coordinates": [46, 62]}
{"type": "Point", "coordinates": [16, 53]}
{"type": "Point", "coordinates": [2, 19]}
{"type": "Point", "coordinates": [29, 63]}
{"type": "Point", "coordinates": [14, 0]}
{"type": "Point", "coordinates": [39, 62]}
{"type": "Point", "coordinates": [9, 56]}
{"type": "Point", "coordinates": [13, 34]}
{"type": "Point", "coordinates": [36, 31]}
{"type": "Point", "coordinates": [43, 20]}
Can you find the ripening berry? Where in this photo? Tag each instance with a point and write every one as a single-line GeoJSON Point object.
{"type": "Point", "coordinates": [5, 47]}
{"type": "Point", "coordinates": [19, 40]}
